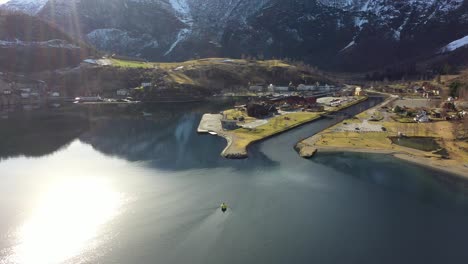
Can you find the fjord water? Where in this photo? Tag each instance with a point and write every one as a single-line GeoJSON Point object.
{"type": "Point", "coordinates": [113, 187]}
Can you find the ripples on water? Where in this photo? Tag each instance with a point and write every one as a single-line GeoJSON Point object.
{"type": "Point", "coordinates": [117, 188]}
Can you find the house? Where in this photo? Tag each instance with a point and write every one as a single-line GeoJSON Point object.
{"type": "Point", "coordinates": [260, 110]}
{"type": "Point", "coordinates": [271, 88]}
{"type": "Point", "coordinates": [422, 117]}
{"type": "Point", "coordinates": [227, 124]}
{"type": "Point", "coordinates": [278, 89]}
{"type": "Point", "coordinates": [335, 104]}
{"type": "Point", "coordinates": [463, 114]}
{"type": "Point", "coordinates": [358, 91]}
{"type": "Point", "coordinates": [146, 84]}
{"type": "Point", "coordinates": [123, 92]}
{"type": "Point", "coordinates": [303, 87]}
{"type": "Point", "coordinates": [281, 89]}
{"type": "Point", "coordinates": [256, 88]}
{"type": "Point", "coordinates": [25, 90]}
{"type": "Point", "coordinates": [418, 90]}
{"type": "Point", "coordinates": [4, 85]}
{"type": "Point", "coordinates": [29, 85]}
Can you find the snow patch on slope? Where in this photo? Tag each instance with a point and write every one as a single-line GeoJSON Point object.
{"type": "Point", "coordinates": [183, 13]}
{"type": "Point", "coordinates": [31, 7]}
{"type": "Point", "coordinates": [54, 43]}
{"type": "Point", "coordinates": [375, 6]}
{"type": "Point", "coordinates": [455, 45]}
{"type": "Point", "coordinates": [352, 43]}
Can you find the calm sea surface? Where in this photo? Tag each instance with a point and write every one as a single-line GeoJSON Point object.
{"type": "Point", "coordinates": [105, 185]}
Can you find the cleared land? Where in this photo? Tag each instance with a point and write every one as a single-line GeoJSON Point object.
{"type": "Point", "coordinates": [452, 155]}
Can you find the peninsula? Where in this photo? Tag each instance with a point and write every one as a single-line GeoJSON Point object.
{"type": "Point", "coordinates": [427, 139]}
{"type": "Point", "coordinates": [268, 117]}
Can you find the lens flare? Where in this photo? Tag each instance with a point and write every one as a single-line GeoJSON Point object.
{"type": "Point", "coordinates": [65, 221]}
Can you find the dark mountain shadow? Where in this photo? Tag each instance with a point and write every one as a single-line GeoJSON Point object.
{"type": "Point", "coordinates": [36, 135]}
{"type": "Point", "coordinates": [171, 143]}
{"type": "Point", "coordinates": [167, 139]}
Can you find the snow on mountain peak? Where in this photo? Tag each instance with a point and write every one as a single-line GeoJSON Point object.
{"type": "Point", "coordinates": [31, 7]}
{"type": "Point", "coordinates": [375, 6]}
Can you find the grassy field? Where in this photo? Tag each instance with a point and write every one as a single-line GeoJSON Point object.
{"type": "Point", "coordinates": [197, 63]}
{"type": "Point", "coordinates": [442, 132]}
{"type": "Point", "coordinates": [235, 114]}
{"type": "Point", "coordinates": [131, 64]}
{"type": "Point", "coordinates": [244, 137]}
{"type": "Point", "coordinates": [355, 140]}
{"type": "Point", "coordinates": [221, 72]}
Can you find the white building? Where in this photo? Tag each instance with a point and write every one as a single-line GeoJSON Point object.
{"type": "Point", "coordinates": [88, 99]}
{"type": "Point", "coordinates": [256, 88]}
{"type": "Point", "coordinates": [281, 89]}
{"type": "Point", "coordinates": [271, 88]}
{"type": "Point", "coordinates": [358, 91]}
{"type": "Point", "coordinates": [146, 84]}
{"type": "Point", "coordinates": [303, 87]}
{"type": "Point", "coordinates": [123, 92]}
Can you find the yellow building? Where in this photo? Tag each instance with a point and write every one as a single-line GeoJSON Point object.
{"type": "Point", "coordinates": [358, 91]}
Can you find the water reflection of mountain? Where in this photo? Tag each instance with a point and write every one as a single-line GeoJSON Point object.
{"type": "Point", "coordinates": [167, 139]}
{"type": "Point", "coordinates": [170, 143]}
{"type": "Point", "coordinates": [38, 135]}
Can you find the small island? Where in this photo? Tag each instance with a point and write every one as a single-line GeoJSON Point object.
{"type": "Point", "coordinates": [266, 117]}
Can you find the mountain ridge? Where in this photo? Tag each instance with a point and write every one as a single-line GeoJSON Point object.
{"type": "Point", "coordinates": [330, 33]}
{"type": "Point", "coordinates": [30, 44]}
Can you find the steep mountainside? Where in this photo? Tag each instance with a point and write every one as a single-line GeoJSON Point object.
{"type": "Point", "coordinates": [31, 7]}
{"type": "Point", "coordinates": [338, 34]}
{"type": "Point", "coordinates": [30, 44]}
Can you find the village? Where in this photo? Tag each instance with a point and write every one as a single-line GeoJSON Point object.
{"type": "Point", "coordinates": [21, 92]}
{"type": "Point", "coordinates": [275, 111]}
{"type": "Point", "coordinates": [422, 124]}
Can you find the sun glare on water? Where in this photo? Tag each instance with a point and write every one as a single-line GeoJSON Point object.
{"type": "Point", "coordinates": [65, 221]}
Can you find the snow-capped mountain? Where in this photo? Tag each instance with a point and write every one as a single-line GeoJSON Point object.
{"type": "Point", "coordinates": [334, 33]}
{"type": "Point", "coordinates": [31, 7]}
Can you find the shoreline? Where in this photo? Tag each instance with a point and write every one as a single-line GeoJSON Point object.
{"type": "Point", "coordinates": [309, 147]}
{"type": "Point", "coordinates": [428, 162]}
{"type": "Point", "coordinates": [242, 153]}
{"type": "Point", "coordinates": [237, 144]}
